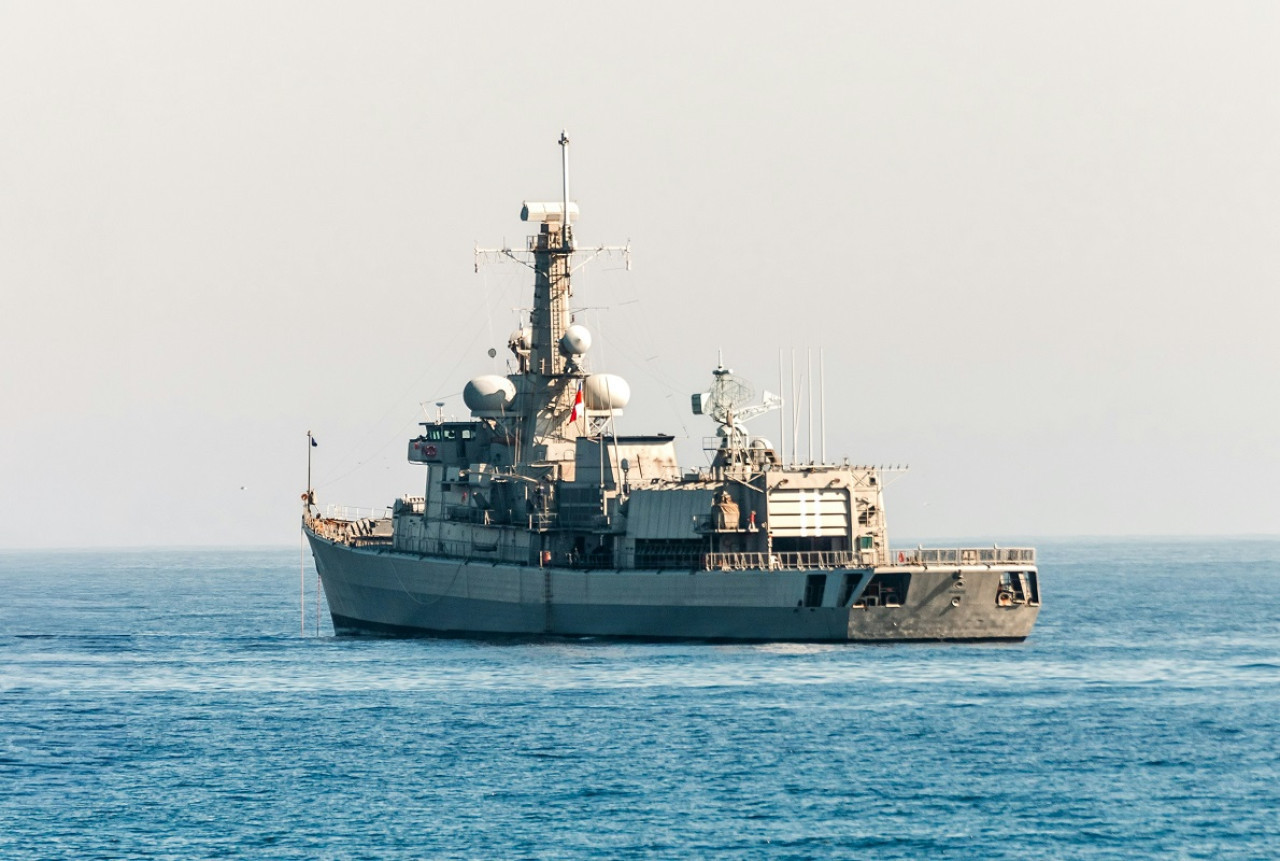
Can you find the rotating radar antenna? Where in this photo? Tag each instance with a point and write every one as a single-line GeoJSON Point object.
{"type": "Point", "coordinates": [727, 402]}
{"type": "Point", "coordinates": [728, 395]}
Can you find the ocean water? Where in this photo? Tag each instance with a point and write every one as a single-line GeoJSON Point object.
{"type": "Point", "coordinates": [164, 704]}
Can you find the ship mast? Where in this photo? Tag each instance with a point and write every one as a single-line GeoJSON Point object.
{"type": "Point", "coordinates": [552, 249]}
{"type": "Point", "coordinates": [547, 384]}
{"type": "Point", "coordinates": [564, 176]}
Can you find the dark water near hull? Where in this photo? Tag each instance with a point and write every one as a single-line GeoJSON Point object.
{"type": "Point", "coordinates": [162, 704]}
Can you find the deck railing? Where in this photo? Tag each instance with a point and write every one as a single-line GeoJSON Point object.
{"type": "Point", "coordinates": [964, 556]}
{"type": "Point", "coordinates": [351, 512]}
{"type": "Point", "coordinates": [339, 524]}
{"type": "Point", "coordinates": [365, 526]}
{"type": "Point", "coordinates": [828, 559]}
{"type": "Point", "coordinates": [800, 561]}
{"type": "Point", "coordinates": [464, 550]}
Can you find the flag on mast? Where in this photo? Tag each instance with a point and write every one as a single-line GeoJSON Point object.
{"type": "Point", "coordinates": [577, 404]}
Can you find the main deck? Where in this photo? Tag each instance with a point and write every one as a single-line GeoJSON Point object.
{"type": "Point", "coordinates": [373, 588]}
{"type": "Point", "coordinates": [374, 528]}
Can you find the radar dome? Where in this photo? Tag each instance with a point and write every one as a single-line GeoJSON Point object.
{"type": "Point", "coordinates": [605, 392]}
{"type": "Point", "coordinates": [575, 341]}
{"type": "Point", "coordinates": [489, 395]}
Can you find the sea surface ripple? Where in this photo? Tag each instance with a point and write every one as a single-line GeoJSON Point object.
{"type": "Point", "coordinates": [164, 704]}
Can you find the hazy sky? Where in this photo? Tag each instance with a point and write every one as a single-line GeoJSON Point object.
{"type": "Point", "coordinates": [1038, 244]}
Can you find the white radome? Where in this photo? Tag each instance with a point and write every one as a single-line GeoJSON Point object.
{"type": "Point", "coordinates": [489, 395]}
{"type": "Point", "coordinates": [575, 341]}
{"type": "Point", "coordinates": [605, 392]}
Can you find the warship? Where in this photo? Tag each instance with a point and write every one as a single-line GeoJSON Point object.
{"type": "Point", "coordinates": [539, 519]}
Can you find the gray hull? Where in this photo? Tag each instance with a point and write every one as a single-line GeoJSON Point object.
{"type": "Point", "coordinates": [380, 591]}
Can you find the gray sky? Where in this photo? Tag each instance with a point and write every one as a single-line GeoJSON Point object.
{"type": "Point", "coordinates": [1039, 245]}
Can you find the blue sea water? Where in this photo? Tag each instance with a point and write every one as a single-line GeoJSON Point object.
{"type": "Point", "coordinates": [164, 704]}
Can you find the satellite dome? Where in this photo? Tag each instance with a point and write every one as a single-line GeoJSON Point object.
{"type": "Point", "coordinates": [605, 392]}
{"type": "Point", "coordinates": [575, 341]}
{"type": "Point", "coordinates": [489, 395]}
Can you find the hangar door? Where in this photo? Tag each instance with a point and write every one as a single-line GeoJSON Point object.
{"type": "Point", "coordinates": [809, 513]}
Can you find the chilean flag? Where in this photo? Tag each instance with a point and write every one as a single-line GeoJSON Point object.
{"type": "Point", "coordinates": [577, 404]}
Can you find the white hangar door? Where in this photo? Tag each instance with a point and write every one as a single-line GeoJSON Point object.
{"type": "Point", "coordinates": [809, 513]}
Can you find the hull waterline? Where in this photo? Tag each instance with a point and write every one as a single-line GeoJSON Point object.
{"type": "Point", "coordinates": [387, 593]}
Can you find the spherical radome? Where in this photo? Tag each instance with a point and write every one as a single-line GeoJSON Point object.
{"type": "Point", "coordinates": [575, 341]}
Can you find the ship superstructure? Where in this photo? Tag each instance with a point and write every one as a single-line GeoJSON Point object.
{"type": "Point", "coordinates": [539, 518]}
